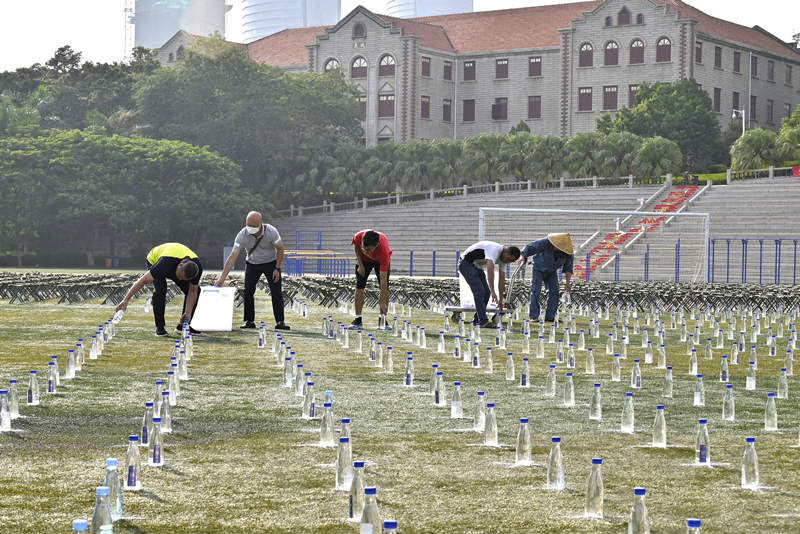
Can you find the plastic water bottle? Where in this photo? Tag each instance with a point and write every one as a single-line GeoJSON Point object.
{"type": "Point", "coordinates": [69, 374]}
{"type": "Point", "coordinates": [183, 370]}
{"type": "Point", "coordinates": [702, 450]}
{"type": "Point", "coordinates": [309, 402]}
{"type": "Point", "coordinates": [526, 343]}
{"type": "Point", "coordinates": [165, 413]}
{"type": "Point", "coordinates": [783, 385]}
{"type": "Point", "coordinates": [326, 427]}
{"type": "Point", "coordinates": [750, 382]}
{"type": "Point", "coordinates": [300, 380]}
{"type": "Point", "coordinates": [101, 516]}
{"type": "Point", "coordinates": [439, 393]}
{"type": "Point", "coordinates": [693, 363]}
{"type": "Point", "coordinates": [589, 361]}
{"type": "Point", "coordinates": [456, 409]}
{"type": "Point", "coordinates": [666, 390]}
{"type": "Point", "coordinates": [344, 465]}
{"type": "Point", "coordinates": [94, 349]}
{"type": "Point", "coordinates": [370, 518]}
{"type": "Point", "coordinates": [111, 481]}
{"type": "Point", "coordinates": [132, 465]}
{"type": "Point", "coordinates": [80, 526]}
{"type": "Point", "coordinates": [571, 356]}
{"type": "Point", "coordinates": [174, 388]}
{"type": "Point", "coordinates": [660, 428]}
{"type": "Point", "coordinates": [770, 414]}
{"type": "Point", "coordinates": [156, 447]}
{"type": "Point", "coordinates": [595, 492]}
{"type": "Point", "coordinates": [699, 392]}
{"type": "Point", "coordinates": [596, 404]}
{"type": "Point", "coordinates": [356, 497]}
{"type": "Point", "coordinates": [490, 429]}
{"type": "Point", "coordinates": [5, 412]}
{"type": "Point", "coordinates": [639, 522]}
{"type": "Point", "coordinates": [80, 356]}
{"type": "Point", "coordinates": [728, 406]}
{"type": "Point", "coordinates": [754, 356]}
{"type": "Point", "coordinates": [489, 362]}
{"type": "Point", "coordinates": [540, 348]}
{"type": "Point", "coordinates": [662, 357]}
{"type": "Point", "coordinates": [627, 414]}
{"type": "Point", "coordinates": [409, 372]}
{"type": "Point", "coordinates": [750, 475]}
{"type": "Point", "coordinates": [13, 399]}
{"type": "Point", "coordinates": [480, 412]}
{"type": "Point", "coordinates": [288, 374]}
{"type": "Point", "coordinates": [788, 363]}
{"type": "Point", "coordinates": [525, 373]}
{"type": "Point", "coordinates": [510, 375]}
{"type": "Point", "coordinates": [523, 456]}
{"type": "Point", "coordinates": [432, 379]}
{"type": "Point", "coordinates": [555, 466]}
{"type": "Point", "coordinates": [550, 382]}
{"type": "Point", "coordinates": [610, 344]}
{"type": "Point", "coordinates": [569, 391]}
{"type": "Point", "coordinates": [615, 369]}
{"type": "Point", "coordinates": [692, 526]}
{"type": "Point", "coordinates": [636, 375]}
{"type": "Point", "coordinates": [52, 378]}
{"type": "Point", "coordinates": [723, 368]}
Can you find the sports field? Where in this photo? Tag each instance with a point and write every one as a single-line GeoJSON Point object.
{"type": "Point", "coordinates": [241, 459]}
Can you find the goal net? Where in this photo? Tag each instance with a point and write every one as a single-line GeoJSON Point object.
{"type": "Point", "coordinates": [612, 245]}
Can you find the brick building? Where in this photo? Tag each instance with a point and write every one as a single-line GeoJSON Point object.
{"type": "Point", "coordinates": [556, 67]}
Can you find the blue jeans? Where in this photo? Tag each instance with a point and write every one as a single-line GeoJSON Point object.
{"type": "Point", "coordinates": [476, 280]}
{"type": "Point", "coordinates": [551, 283]}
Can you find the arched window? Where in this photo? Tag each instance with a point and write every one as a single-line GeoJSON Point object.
{"type": "Point", "coordinates": [637, 52]}
{"type": "Point", "coordinates": [612, 53]}
{"type": "Point", "coordinates": [358, 69]}
{"type": "Point", "coordinates": [179, 53]}
{"type": "Point", "coordinates": [639, 19]}
{"type": "Point", "coordinates": [332, 64]}
{"type": "Point", "coordinates": [623, 17]}
{"type": "Point", "coordinates": [386, 66]}
{"type": "Point", "coordinates": [585, 58]}
{"type": "Point", "coordinates": [609, 21]}
{"type": "Point", "coordinates": [664, 50]}
{"type": "Point", "coordinates": [359, 31]}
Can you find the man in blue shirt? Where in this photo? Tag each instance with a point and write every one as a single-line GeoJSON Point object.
{"type": "Point", "coordinates": [549, 255]}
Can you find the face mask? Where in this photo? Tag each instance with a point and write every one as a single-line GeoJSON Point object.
{"type": "Point", "coordinates": [253, 229]}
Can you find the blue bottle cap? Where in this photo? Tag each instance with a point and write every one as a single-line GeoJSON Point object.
{"type": "Point", "coordinates": [148, 404]}
{"type": "Point", "coordinates": [523, 419]}
{"type": "Point", "coordinates": [165, 392]}
{"type": "Point", "coordinates": [51, 363]}
{"type": "Point", "coordinates": [490, 405]}
{"type": "Point", "coordinates": [555, 439]}
{"type": "Point", "coordinates": [307, 373]}
{"type": "Point", "coordinates": [659, 406]}
{"type": "Point", "coordinates": [552, 366]}
{"type": "Point", "coordinates": [410, 358]}
{"type": "Point", "coordinates": [370, 491]}
{"type": "Point", "coordinates": [111, 462]}
{"type": "Point", "coordinates": [752, 363]}
{"type": "Point", "coordinates": [159, 382]}
{"type": "Point", "coordinates": [344, 440]}
{"type": "Point", "coordinates": [326, 405]}
{"type": "Point", "coordinates": [456, 383]}
{"type": "Point", "coordinates": [288, 358]}
{"type": "Point", "coordinates": [409, 353]}
{"type": "Point", "coordinates": [783, 369]}
{"type": "Point", "coordinates": [172, 365]}
{"type": "Point", "coordinates": [639, 491]}
{"type": "Point", "coordinates": [616, 354]}
{"type": "Point", "coordinates": [702, 421]}
{"type": "Point", "coordinates": [628, 394]}
{"type": "Point", "coordinates": [635, 361]}
{"type": "Point", "coordinates": [699, 376]}
{"type": "Point", "coordinates": [693, 523]}
{"type": "Point", "coordinates": [750, 440]}
{"type": "Point", "coordinates": [358, 464]}
{"type": "Point", "coordinates": [390, 348]}
{"type": "Point", "coordinates": [729, 386]}
{"type": "Point", "coordinates": [390, 523]}
{"type": "Point", "coordinates": [441, 331]}
{"type": "Point", "coordinates": [79, 524]}
{"type": "Point", "coordinates": [170, 372]}
{"type": "Point", "coordinates": [480, 393]}
{"type": "Point", "coordinates": [311, 384]}
{"type": "Point", "coordinates": [597, 461]}
{"type": "Point", "coordinates": [345, 420]}
{"type": "Point", "coordinates": [569, 374]}
{"type": "Point", "coordinates": [102, 491]}
{"type": "Point", "coordinates": [80, 340]}
{"type": "Point", "coordinates": [597, 385]}
{"type": "Point", "coordinates": [770, 394]}
{"type": "Point", "coordinates": [12, 381]}
{"type": "Point", "coordinates": [299, 365]}
{"type": "Point", "coordinates": [71, 350]}
{"type": "Point", "coordinates": [669, 367]}
{"type": "Point", "coordinates": [3, 392]}
{"type": "Point", "coordinates": [156, 419]}
{"type": "Point", "coordinates": [435, 365]}
{"type": "Point", "coordinates": [133, 438]}
{"type": "Point", "coordinates": [724, 356]}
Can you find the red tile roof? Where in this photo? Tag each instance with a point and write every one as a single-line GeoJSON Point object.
{"type": "Point", "coordinates": [430, 35]}
{"type": "Point", "coordinates": [286, 48]}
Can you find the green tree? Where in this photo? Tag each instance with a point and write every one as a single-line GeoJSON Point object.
{"type": "Point", "coordinates": [481, 157]}
{"type": "Point", "coordinates": [756, 149]}
{"type": "Point", "coordinates": [547, 159]}
{"type": "Point", "coordinates": [514, 154]}
{"type": "Point", "coordinates": [788, 144]}
{"type": "Point", "coordinates": [521, 126]}
{"type": "Point", "coordinates": [447, 159]}
{"type": "Point", "coordinates": [23, 119]}
{"type": "Point", "coordinates": [616, 154]}
{"type": "Point", "coordinates": [656, 157]}
{"type": "Point", "coordinates": [582, 154]}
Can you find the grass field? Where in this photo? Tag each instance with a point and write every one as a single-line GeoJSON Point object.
{"type": "Point", "coordinates": [241, 459]}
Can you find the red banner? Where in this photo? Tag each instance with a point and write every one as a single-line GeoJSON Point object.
{"type": "Point", "coordinates": [796, 171]}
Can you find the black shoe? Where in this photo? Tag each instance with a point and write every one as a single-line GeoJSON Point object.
{"type": "Point", "coordinates": [179, 330]}
{"type": "Point", "coordinates": [357, 322]}
{"type": "Point", "coordinates": [161, 331]}
{"type": "Point", "coordinates": [489, 324]}
{"type": "Point", "coordinates": [248, 324]}
{"type": "Point", "coordinates": [281, 326]}
{"type": "Point", "coordinates": [549, 319]}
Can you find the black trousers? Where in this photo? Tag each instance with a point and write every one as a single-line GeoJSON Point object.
{"type": "Point", "coordinates": [252, 272]}
{"type": "Point", "coordinates": [159, 299]}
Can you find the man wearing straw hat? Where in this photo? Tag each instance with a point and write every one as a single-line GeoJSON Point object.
{"type": "Point", "coordinates": [549, 255]}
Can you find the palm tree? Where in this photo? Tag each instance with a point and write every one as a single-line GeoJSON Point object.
{"type": "Point", "coordinates": [788, 144]}
{"type": "Point", "coordinates": [657, 156]}
{"type": "Point", "coordinates": [617, 153]}
{"type": "Point", "coordinates": [447, 157]}
{"type": "Point", "coordinates": [482, 157]}
{"type": "Point", "coordinates": [546, 160]}
{"type": "Point", "coordinates": [755, 149]}
{"type": "Point", "coordinates": [582, 154]}
{"type": "Point", "coordinates": [515, 151]}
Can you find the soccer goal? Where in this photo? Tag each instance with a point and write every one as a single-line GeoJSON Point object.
{"type": "Point", "coordinates": [612, 245]}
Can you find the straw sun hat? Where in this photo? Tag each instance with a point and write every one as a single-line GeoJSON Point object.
{"type": "Point", "coordinates": [562, 242]}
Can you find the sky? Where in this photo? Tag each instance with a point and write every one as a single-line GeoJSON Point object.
{"type": "Point", "coordinates": [31, 30]}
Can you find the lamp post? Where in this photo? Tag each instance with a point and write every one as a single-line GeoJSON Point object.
{"type": "Point", "coordinates": [739, 113]}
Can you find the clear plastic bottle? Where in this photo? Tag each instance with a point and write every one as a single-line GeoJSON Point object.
{"type": "Point", "coordinates": [639, 522]}
{"type": "Point", "coordinates": [571, 356]}
{"type": "Point", "coordinates": [627, 425]}
{"type": "Point", "coordinates": [69, 374]}
{"type": "Point", "coordinates": [80, 526]}
{"type": "Point", "coordinates": [596, 404]}
{"type": "Point", "coordinates": [750, 474]}
{"type": "Point", "coordinates": [490, 429]}
{"type": "Point", "coordinates": [616, 369]}
{"type": "Point", "coordinates": [510, 374]}
{"type": "Point", "coordinates": [409, 371]}
{"type": "Point", "coordinates": [288, 373]}
{"type": "Point", "coordinates": [166, 413]}
{"type": "Point", "coordinates": [326, 426]}
{"type": "Point", "coordinates": [156, 447]}
{"type": "Point", "coordinates": [299, 381]}
{"type": "Point", "coordinates": [183, 369]}
{"type": "Point", "coordinates": [723, 368]}
{"type": "Point", "coordinates": [636, 375]}
{"type": "Point", "coordinates": [523, 452]}
{"type": "Point", "coordinates": [770, 414]}
{"type": "Point", "coordinates": [432, 379]}
{"type": "Point", "coordinates": [589, 361]}
{"type": "Point", "coordinates": [112, 482]}
{"type": "Point", "coordinates": [439, 393]}
{"type": "Point", "coordinates": [660, 428]}
{"type": "Point", "coordinates": [489, 362]}
{"type": "Point", "coordinates": [133, 464]}
{"type": "Point", "coordinates": [344, 465]}
{"type": "Point", "coordinates": [666, 390]}
{"type": "Point", "coordinates": [692, 526]}
{"type": "Point", "coordinates": [52, 379]}
{"type": "Point", "coordinates": [595, 492]}
{"type": "Point", "coordinates": [750, 381]}
{"type": "Point", "coordinates": [662, 357]}
{"type": "Point", "coordinates": [456, 409]}
{"type": "Point", "coordinates": [702, 451]}
{"type": "Point", "coordinates": [356, 497]}
{"type": "Point", "coordinates": [699, 392]}
{"type": "Point", "coordinates": [783, 385]}
{"type": "Point", "coordinates": [480, 412]}
{"type": "Point", "coordinates": [788, 363]}
{"type": "Point", "coordinates": [540, 347]}
{"type": "Point", "coordinates": [13, 399]}
{"type": "Point", "coordinates": [610, 344]}
{"type": "Point", "coordinates": [550, 382]}
{"type": "Point", "coordinates": [525, 373]}
{"type": "Point", "coordinates": [174, 388]}
{"type": "Point", "coordinates": [370, 518]}
{"type": "Point", "coordinates": [569, 390]}
{"type": "Point", "coordinates": [555, 466]}
{"type": "Point", "coordinates": [309, 402]}
{"type": "Point", "coordinates": [101, 516]}
{"type": "Point", "coordinates": [5, 412]}
{"type": "Point", "coordinates": [693, 363]}
{"type": "Point", "coordinates": [728, 404]}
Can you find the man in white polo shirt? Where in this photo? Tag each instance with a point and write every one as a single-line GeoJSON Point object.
{"type": "Point", "coordinates": [264, 249]}
{"type": "Point", "coordinates": [493, 256]}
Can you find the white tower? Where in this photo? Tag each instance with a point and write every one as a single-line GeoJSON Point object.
{"type": "Point", "coordinates": [265, 17]}
{"type": "Point", "coordinates": [426, 8]}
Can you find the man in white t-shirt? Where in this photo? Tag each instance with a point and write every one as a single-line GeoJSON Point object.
{"type": "Point", "coordinates": [264, 249]}
{"type": "Point", "coordinates": [486, 254]}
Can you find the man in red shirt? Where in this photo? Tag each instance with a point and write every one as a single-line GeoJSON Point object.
{"type": "Point", "coordinates": [372, 252]}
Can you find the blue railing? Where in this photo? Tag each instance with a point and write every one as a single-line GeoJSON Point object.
{"type": "Point", "coordinates": [769, 250]}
